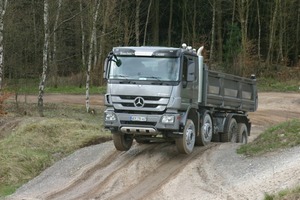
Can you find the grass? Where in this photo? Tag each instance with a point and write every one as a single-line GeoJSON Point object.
{"type": "Point", "coordinates": [59, 90]}
{"type": "Point", "coordinates": [274, 85]}
{"type": "Point", "coordinates": [283, 135]}
{"type": "Point", "coordinates": [36, 143]}
{"type": "Point", "coordinates": [291, 194]}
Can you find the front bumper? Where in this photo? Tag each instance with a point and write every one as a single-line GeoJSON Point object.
{"type": "Point", "coordinates": [141, 124]}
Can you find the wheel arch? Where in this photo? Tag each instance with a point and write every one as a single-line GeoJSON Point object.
{"type": "Point", "coordinates": [192, 114]}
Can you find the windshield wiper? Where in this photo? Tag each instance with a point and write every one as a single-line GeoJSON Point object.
{"type": "Point", "coordinates": [154, 77]}
{"type": "Point", "coordinates": [120, 75]}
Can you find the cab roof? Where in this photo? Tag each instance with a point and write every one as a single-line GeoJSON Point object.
{"type": "Point", "coordinates": [151, 51]}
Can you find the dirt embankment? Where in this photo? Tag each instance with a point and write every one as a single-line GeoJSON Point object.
{"type": "Point", "coordinates": [157, 171]}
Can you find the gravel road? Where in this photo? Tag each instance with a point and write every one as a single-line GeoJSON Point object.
{"type": "Point", "coordinates": [157, 171]}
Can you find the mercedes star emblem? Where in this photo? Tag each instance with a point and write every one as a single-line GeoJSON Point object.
{"type": "Point", "coordinates": [139, 102]}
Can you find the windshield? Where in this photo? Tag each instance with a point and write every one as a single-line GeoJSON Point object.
{"type": "Point", "coordinates": [145, 68]}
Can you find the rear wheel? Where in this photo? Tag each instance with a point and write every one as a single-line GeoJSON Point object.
{"type": "Point", "coordinates": [231, 135]}
{"type": "Point", "coordinates": [185, 144]}
{"type": "Point", "coordinates": [206, 130]}
{"type": "Point", "coordinates": [122, 141]}
{"type": "Point", "coordinates": [242, 133]}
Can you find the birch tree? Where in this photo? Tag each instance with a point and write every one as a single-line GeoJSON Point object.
{"type": "Point", "coordinates": [45, 58]}
{"type": "Point", "coordinates": [2, 13]}
{"type": "Point", "coordinates": [92, 46]}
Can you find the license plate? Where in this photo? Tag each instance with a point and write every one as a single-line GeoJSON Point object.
{"type": "Point", "coordinates": [138, 118]}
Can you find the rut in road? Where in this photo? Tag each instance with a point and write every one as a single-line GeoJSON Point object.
{"type": "Point", "coordinates": [129, 175]}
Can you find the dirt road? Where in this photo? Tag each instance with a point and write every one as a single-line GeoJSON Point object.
{"type": "Point", "coordinates": [157, 171]}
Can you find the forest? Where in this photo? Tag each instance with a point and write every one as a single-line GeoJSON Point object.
{"type": "Point", "coordinates": [60, 42]}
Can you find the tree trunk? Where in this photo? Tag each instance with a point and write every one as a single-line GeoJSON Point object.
{"type": "Point", "coordinates": [194, 25]}
{"type": "Point", "coordinates": [2, 13]}
{"type": "Point", "coordinates": [213, 33]}
{"type": "Point", "coordinates": [219, 30]}
{"type": "Point", "coordinates": [281, 30]}
{"type": "Point", "coordinates": [259, 31]}
{"type": "Point", "coordinates": [147, 21]}
{"type": "Point", "coordinates": [92, 43]}
{"type": "Point", "coordinates": [298, 35]}
{"type": "Point", "coordinates": [83, 62]}
{"type": "Point", "coordinates": [45, 58]}
{"type": "Point", "coordinates": [170, 24]}
{"type": "Point", "coordinates": [54, 61]}
{"type": "Point", "coordinates": [183, 23]}
{"type": "Point", "coordinates": [137, 22]}
{"type": "Point", "coordinates": [273, 20]}
{"type": "Point", "coordinates": [156, 23]}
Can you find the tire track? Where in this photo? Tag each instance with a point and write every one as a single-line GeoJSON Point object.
{"type": "Point", "coordinates": [152, 182]}
{"type": "Point", "coordinates": [98, 174]}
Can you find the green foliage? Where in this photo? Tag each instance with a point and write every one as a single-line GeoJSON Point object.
{"type": "Point", "coordinates": [275, 85]}
{"type": "Point", "coordinates": [36, 143]}
{"type": "Point", "coordinates": [232, 46]}
{"type": "Point", "coordinates": [284, 194]}
{"type": "Point", "coordinates": [281, 136]}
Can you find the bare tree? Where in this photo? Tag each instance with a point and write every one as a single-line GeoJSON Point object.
{"type": "Point", "coordinates": [273, 21]}
{"type": "Point", "coordinates": [147, 21]}
{"type": "Point", "coordinates": [54, 56]}
{"type": "Point", "coordinates": [259, 31]}
{"type": "Point", "coordinates": [297, 52]}
{"type": "Point", "coordinates": [213, 32]}
{"type": "Point", "coordinates": [137, 22]}
{"type": "Point", "coordinates": [243, 10]}
{"type": "Point", "coordinates": [2, 13]}
{"type": "Point", "coordinates": [45, 58]}
{"type": "Point", "coordinates": [170, 23]}
{"type": "Point", "coordinates": [92, 46]}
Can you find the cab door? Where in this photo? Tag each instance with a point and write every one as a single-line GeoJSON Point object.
{"type": "Point", "coordinates": [189, 79]}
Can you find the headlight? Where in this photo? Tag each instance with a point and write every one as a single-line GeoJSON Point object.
{"type": "Point", "coordinates": [109, 116]}
{"type": "Point", "coordinates": [168, 119]}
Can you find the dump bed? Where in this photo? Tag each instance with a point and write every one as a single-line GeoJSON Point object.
{"type": "Point", "coordinates": [225, 91]}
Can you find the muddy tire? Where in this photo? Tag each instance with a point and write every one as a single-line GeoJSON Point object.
{"type": "Point", "coordinates": [185, 144]}
{"type": "Point", "coordinates": [242, 133]}
{"type": "Point", "coordinates": [231, 135]}
{"type": "Point", "coordinates": [206, 130]}
{"type": "Point", "coordinates": [121, 141]}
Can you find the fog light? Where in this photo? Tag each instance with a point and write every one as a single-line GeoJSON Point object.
{"type": "Point", "coordinates": [168, 119]}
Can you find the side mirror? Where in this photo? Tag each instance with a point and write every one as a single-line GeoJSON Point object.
{"type": "Point", "coordinates": [105, 75]}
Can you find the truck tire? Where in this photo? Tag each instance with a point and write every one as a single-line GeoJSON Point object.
{"type": "Point", "coordinates": [185, 144]}
{"type": "Point", "coordinates": [121, 141]}
{"type": "Point", "coordinates": [242, 133]}
{"type": "Point", "coordinates": [231, 134]}
{"type": "Point", "coordinates": [206, 130]}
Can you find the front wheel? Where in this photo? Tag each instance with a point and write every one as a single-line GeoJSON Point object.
{"type": "Point", "coordinates": [206, 131]}
{"type": "Point", "coordinates": [185, 144]}
{"type": "Point", "coordinates": [121, 141]}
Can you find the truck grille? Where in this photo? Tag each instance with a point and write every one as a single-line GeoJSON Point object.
{"type": "Point", "coordinates": [140, 103]}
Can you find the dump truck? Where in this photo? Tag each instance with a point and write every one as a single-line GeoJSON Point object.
{"type": "Point", "coordinates": [168, 94]}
